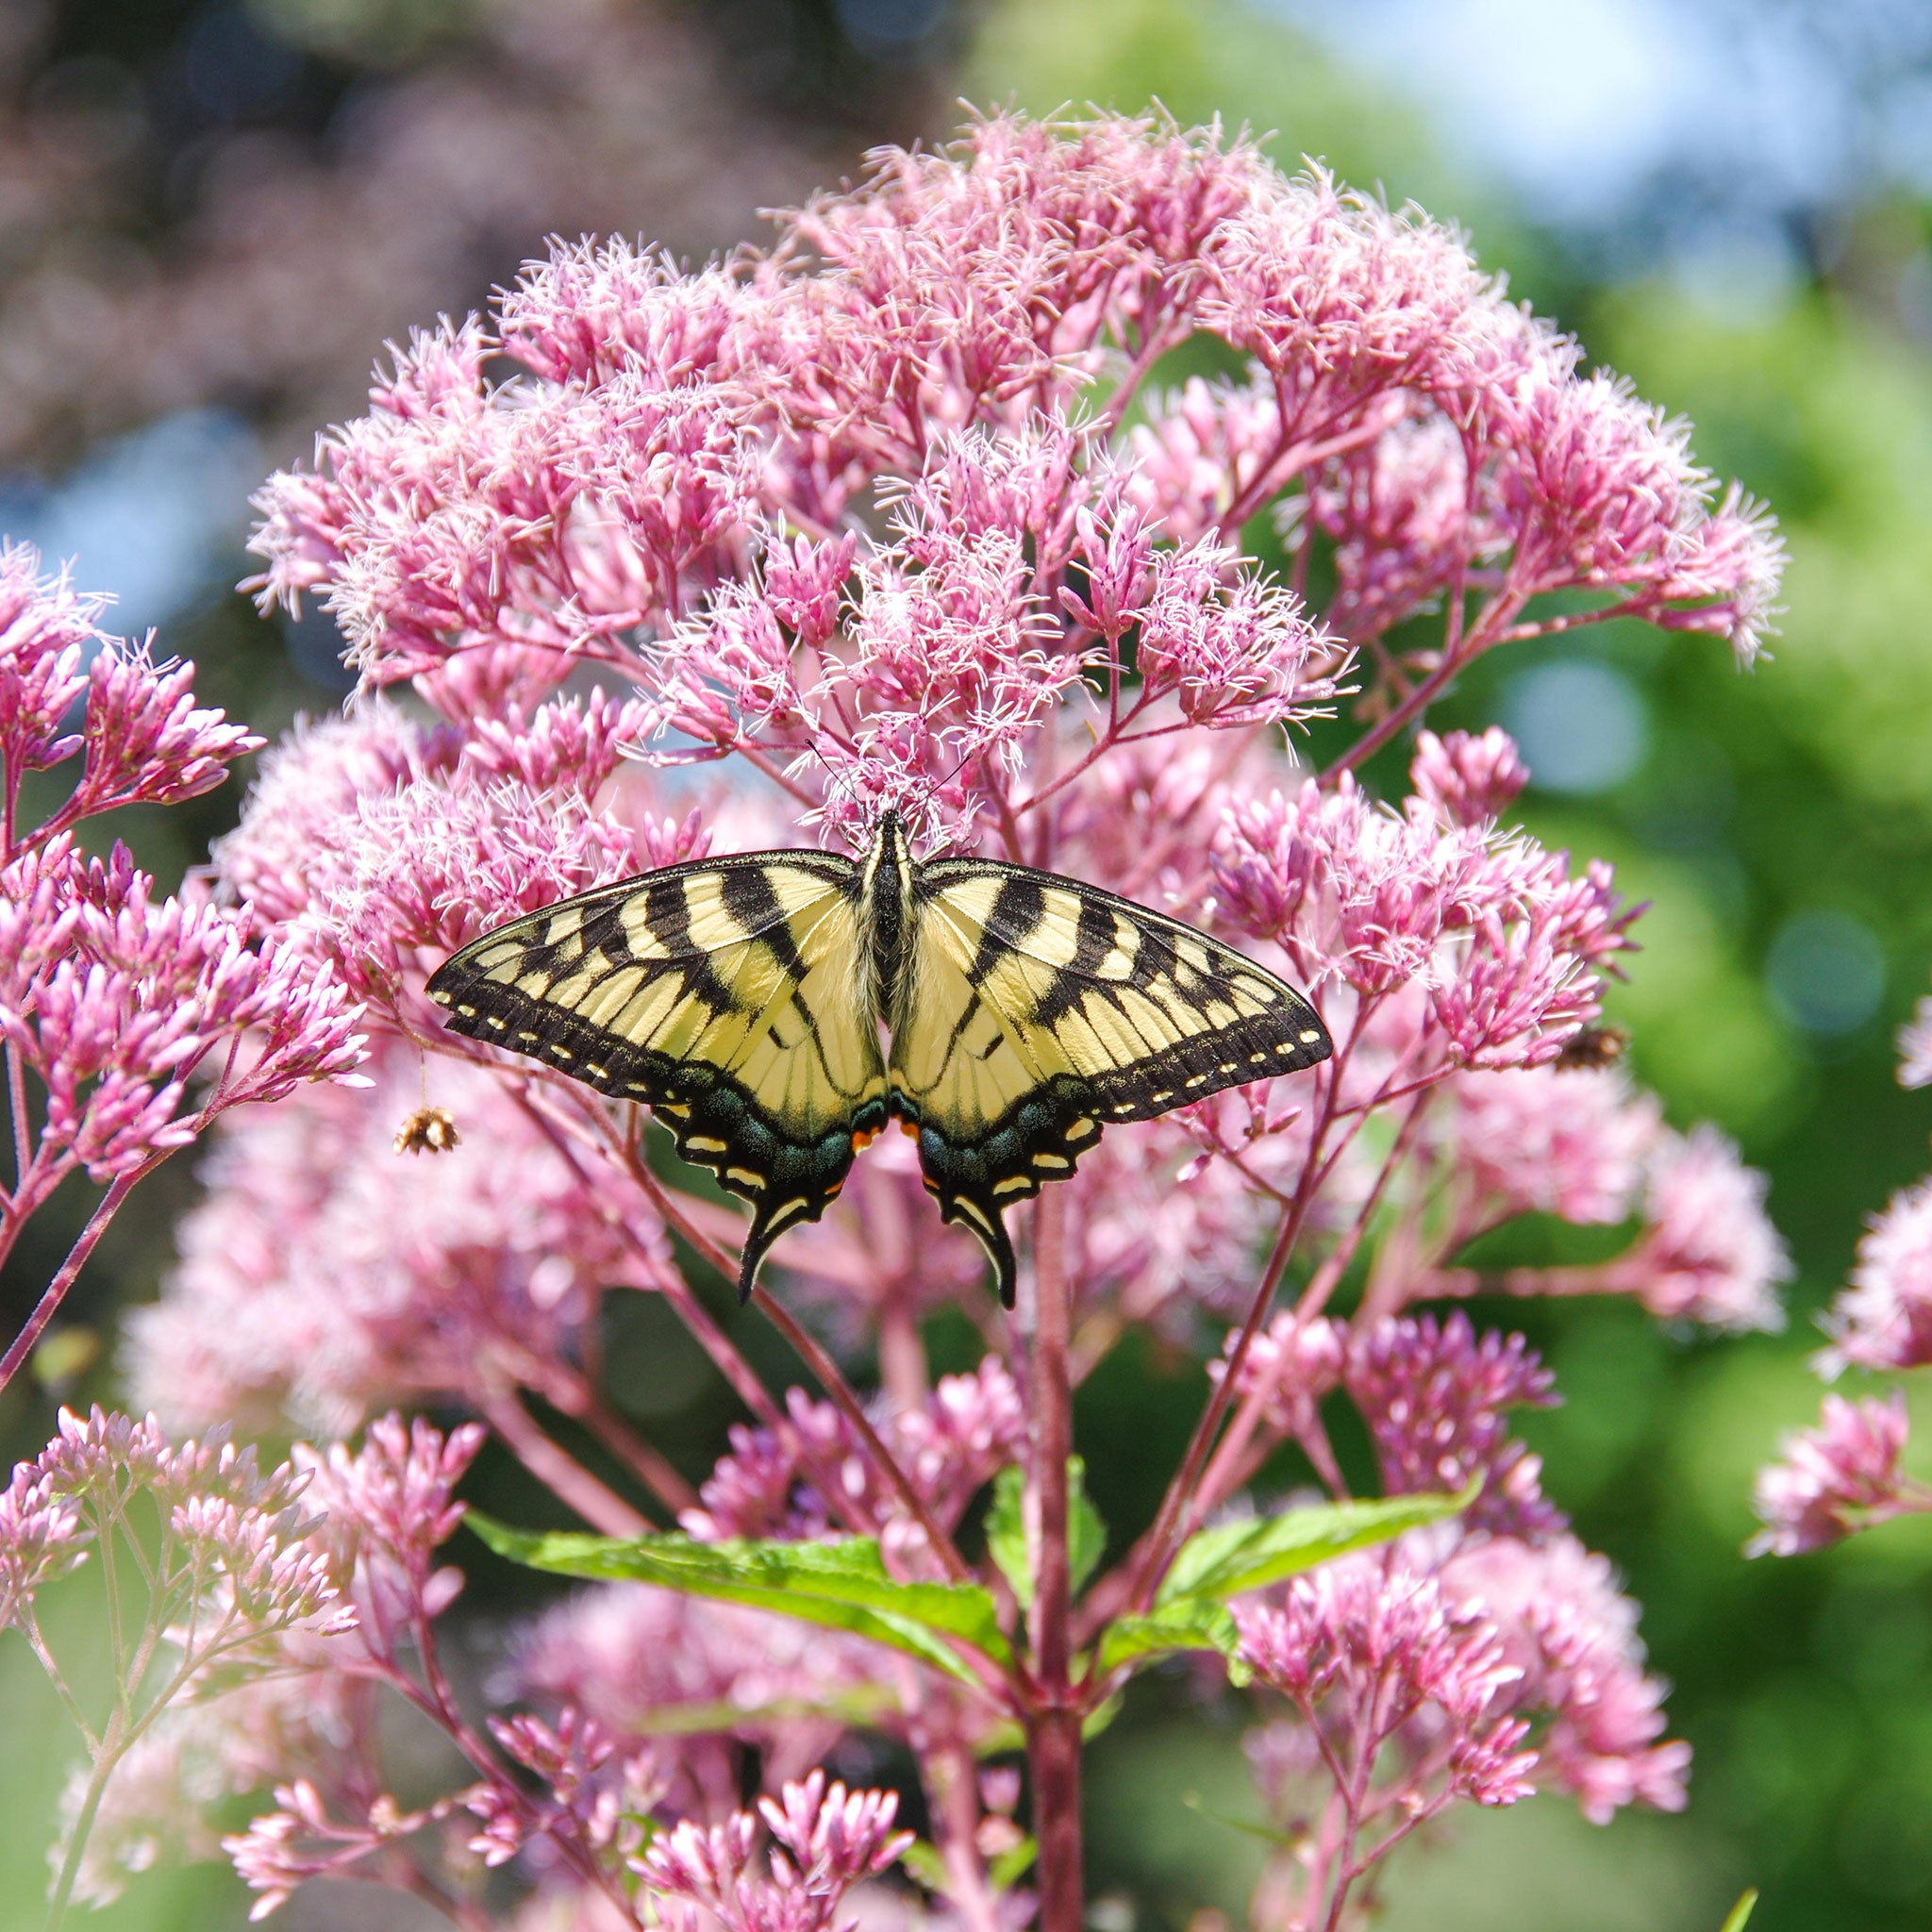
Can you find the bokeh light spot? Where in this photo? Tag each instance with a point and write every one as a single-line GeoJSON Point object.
{"type": "Point", "coordinates": [1826, 971]}
{"type": "Point", "coordinates": [1580, 725]}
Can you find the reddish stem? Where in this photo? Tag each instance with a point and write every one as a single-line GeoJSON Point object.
{"type": "Point", "coordinates": [847, 1400]}
{"type": "Point", "coordinates": [48, 1305]}
{"type": "Point", "coordinates": [1488, 629]}
{"type": "Point", "coordinates": [601, 1506]}
{"type": "Point", "coordinates": [1053, 1725]}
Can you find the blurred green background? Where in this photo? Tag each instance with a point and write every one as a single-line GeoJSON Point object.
{"type": "Point", "coordinates": [210, 215]}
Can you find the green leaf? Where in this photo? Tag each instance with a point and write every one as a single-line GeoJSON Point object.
{"type": "Point", "coordinates": [926, 1865]}
{"type": "Point", "coordinates": [1192, 1622]}
{"type": "Point", "coordinates": [1284, 1840]}
{"type": "Point", "coordinates": [840, 1583]}
{"type": "Point", "coordinates": [1232, 1557]}
{"type": "Point", "coordinates": [1011, 1866]}
{"type": "Point", "coordinates": [1005, 1532]}
{"type": "Point", "coordinates": [1006, 1529]}
{"type": "Point", "coordinates": [1741, 1913]}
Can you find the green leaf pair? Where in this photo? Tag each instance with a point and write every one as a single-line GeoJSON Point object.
{"type": "Point", "coordinates": [842, 1583]}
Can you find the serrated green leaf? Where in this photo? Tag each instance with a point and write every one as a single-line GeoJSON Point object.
{"type": "Point", "coordinates": [1741, 1913]}
{"type": "Point", "coordinates": [1194, 1622]}
{"type": "Point", "coordinates": [1006, 1529]}
{"type": "Point", "coordinates": [840, 1583]}
{"type": "Point", "coordinates": [1232, 1557]}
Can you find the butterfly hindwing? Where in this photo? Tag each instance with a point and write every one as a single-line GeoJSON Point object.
{"type": "Point", "coordinates": [725, 994]}
{"type": "Point", "coordinates": [1039, 1010]}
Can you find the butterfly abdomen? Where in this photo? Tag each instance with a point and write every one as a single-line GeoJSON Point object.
{"type": "Point", "coordinates": [884, 913]}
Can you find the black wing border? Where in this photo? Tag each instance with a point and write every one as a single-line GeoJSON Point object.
{"type": "Point", "coordinates": [714, 1119]}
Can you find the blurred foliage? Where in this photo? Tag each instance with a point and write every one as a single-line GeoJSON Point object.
{"type": "Point", "coordinates": [1752, 803]}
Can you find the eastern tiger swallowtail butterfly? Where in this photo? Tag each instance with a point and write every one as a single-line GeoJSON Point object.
{"type": "Point", "coordinates": [742, 1000]}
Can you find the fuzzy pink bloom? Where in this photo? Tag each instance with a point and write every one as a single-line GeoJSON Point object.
{"type": "Point", "coordinates": [1884, 1319]}
{"type": "Point", "coordinates": [1600, 488]}
{"type": "Point", "coordinates": [1708, 1252]}
{"type": "Point", "coordinates": [1545, 1140]}
{"type": "Point", "coordinates": [971, 1426]}
{"type": "Point", "coordinates": [1838, 1478]}
{"type": "Point", "coordinates": [1234, 648]}
{"type": "Point", "coordinates": [141, 740]}
{"type": "Point", "coordinates": [1915, 1047]}
{"type": "Point", "coordinates": [598, 1800]}
{"type": "Point", "coordinates": [302, 1839]}
{"type": "Point", "coordinates": [1289, 1366]}
{"type": "Point", "coordinates": [41, 1537]}
{"type": "Point", "coordinates": [238, 1559]}
{"type": "Point", "coordinates": [1573, 1636]}
{"type": "Point", "coordinates": [324, 1275]}
{"type": "Point", "coordinates": [46, 630]}
{"type": "Point", "coordinates": [1404, 517]}
{"type": "Point", "coordinates": [114, 999]}
{"type": "Point", "coordinates": [1469, 779]}
{"type": "Point", "coordinates": [825, 1841]}
{"type": "Point", "coordinates": [1507, 944]}
{"type": "Point", "coordinates": [1434, 1396]}
{"type": "Point", "coordinates": [1367, 1651]}
{"type": "Point", "coordinates": [1343, 302]}
{"type": "Point", "coordinates": [1189, 456]}
{"type": "Point", "coordinates": [368, 839]}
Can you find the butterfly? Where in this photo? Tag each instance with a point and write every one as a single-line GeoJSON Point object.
{"type": "Point", "coordinates": [744, 1000]}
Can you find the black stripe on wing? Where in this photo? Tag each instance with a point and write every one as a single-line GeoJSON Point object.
{"type": "Point", "coordinates": [587, 985]}
{"type": "Point", "coordinates": [1150, 1013]}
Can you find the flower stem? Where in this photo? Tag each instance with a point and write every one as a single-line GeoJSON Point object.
{"type": "Point", "coordinates": [560, 1472]}
{"type": "Point", "coordinates": [48, 1305]}
{"type": "Point", "coordinates": [848, 1404]}
{"type": "Point", "coordinates": [1053, 1728]}
{"type": "Point", "coordinates": [105, 1761]}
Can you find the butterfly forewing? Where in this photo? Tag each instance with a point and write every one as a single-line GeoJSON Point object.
{"type": "Point", "coordinates": [726, 995]}
{"type": "Point", "coordinates": [1038, 1011]}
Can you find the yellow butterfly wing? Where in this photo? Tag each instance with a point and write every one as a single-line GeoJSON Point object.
{"type": "Point", "coordinates": [726, 995]}
{"type": "Point", "coordinates": [1038, 1011]}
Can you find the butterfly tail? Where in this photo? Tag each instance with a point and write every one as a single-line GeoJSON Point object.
{"type": "Point", "coordinates": [982, 1218]}
{"type": "Point", "coordinates": [765, 1228]}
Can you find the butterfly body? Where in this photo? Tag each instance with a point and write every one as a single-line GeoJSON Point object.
{"type": "Point", "coordinates": [776, 1010]}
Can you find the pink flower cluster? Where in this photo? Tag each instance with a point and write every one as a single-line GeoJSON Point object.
{"type": "Point", "coordinates": [1422, 1678]}
{"type": "Point", "coordinates": [1492, 941]}
{"type": "Point", "coordinates": [855, 523]}
{"type": "Point", "coordinates": [1848, 1473]}
{"type": "Point", "coordinates": [113, 999]}
{"type": "Point", "coordinates": [239, 1543]}
{"type": "Point", "coordinates": [325, 1278]}
{"type": "Point", "coordinates": [775, 1483]}
{"type": "Point", "coordinates": [825, 1842]}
